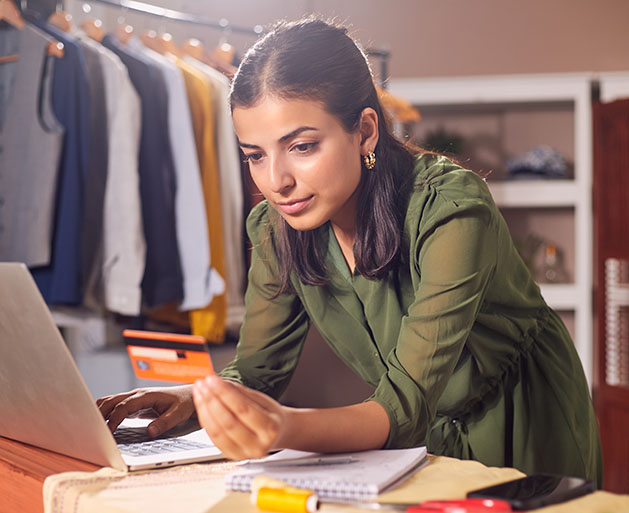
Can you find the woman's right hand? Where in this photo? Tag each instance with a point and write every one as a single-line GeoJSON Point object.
{"type": "Point", "coordinates": [172, 405]}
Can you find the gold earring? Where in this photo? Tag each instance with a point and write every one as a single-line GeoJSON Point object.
{"type": "Point", "coordinates": [370, 160]}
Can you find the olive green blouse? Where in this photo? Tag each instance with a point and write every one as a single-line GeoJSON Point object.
{"type": "Point", "coordinates": [461, 349]}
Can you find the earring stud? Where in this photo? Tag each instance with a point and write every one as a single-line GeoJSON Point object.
{"type": "Point", "coordinates": [370, 160]}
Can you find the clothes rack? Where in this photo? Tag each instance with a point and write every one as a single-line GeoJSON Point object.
{"type": "Point", "coordinates": [171, 14]}
{"type": "Point", "coordinates": [224, 25]}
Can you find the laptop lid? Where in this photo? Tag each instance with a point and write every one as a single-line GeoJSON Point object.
{"type": "Point", "coordinates": [44, 400]}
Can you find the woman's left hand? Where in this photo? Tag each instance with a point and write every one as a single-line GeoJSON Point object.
{"type": "Point", "coordinates": [243, 423]}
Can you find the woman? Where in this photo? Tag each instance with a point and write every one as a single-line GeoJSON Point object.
{"type": "Point", "coordinates": [404, 264]}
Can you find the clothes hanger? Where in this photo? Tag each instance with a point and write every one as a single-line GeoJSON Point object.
{"type": "Point", "coordinates": [93, 28]}
{"type": "Point", "coordinates": [194, 48]}
{"type": "Point", "coordinates": [168, 45]}
{"type": "Point", "coordinates": [123, 30]}
{"type": "Point", "coordinates": [56, 49]}
{"type": "Point", "coordinates": [224, 52]}
{"type": "Point", "coordinates": [123, 33]}
{"type": "Point", "coordinates": [62, 20]}
{"type": "Point", "coordinates": [400, 109]}
{"type": "Point", "coordinates": [150, 40]}
{"type": "Point", "coordinates": [10, 14]}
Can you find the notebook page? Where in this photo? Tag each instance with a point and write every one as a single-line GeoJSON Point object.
{"type": "Point", "coordinates": [362, 475]}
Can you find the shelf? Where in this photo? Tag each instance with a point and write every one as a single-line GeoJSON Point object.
{"type": "Point", "coordinates": [560, 296]}
{"type": "Point", "coordinates": [534, 193]}
{"type": "Point", "coordinates": [492, 90]}
{"type": "Point", "coordinates": [481, 105]}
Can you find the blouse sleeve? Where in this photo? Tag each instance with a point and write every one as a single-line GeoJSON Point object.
{"type": "Point", "coordinates": [454, 255]}
{"type": "Point", "coordinates": [273, 329]}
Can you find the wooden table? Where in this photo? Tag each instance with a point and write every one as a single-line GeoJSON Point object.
{"type": "Point", "coordinates": [23, 469]}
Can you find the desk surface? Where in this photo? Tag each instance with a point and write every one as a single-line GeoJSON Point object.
{"type": "Point", "coordinates": [23, 469]}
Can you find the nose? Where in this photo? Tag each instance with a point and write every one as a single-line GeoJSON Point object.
{"type": "Point", "coordinates": [281, 179]}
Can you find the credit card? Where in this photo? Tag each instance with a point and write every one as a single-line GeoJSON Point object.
{"type": "Point", "coordinates": [168, 356]}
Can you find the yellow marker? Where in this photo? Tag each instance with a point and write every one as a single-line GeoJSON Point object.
{"type": "Point", "coordinates": [269, 494]}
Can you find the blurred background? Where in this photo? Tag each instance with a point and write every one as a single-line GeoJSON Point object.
{"type": "Point", "coordinates": [528, 92]}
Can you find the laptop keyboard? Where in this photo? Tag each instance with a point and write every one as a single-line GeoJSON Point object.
{"type": "Point", "coordinates": [136, 443]}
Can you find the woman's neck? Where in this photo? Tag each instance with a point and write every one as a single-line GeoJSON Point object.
{"type": "Point", "coordinates": [346, 238]}
{"type": "Point", "coordinates": [344, 226]}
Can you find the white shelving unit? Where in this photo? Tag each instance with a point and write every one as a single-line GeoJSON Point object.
{"type": "Point", "coordinates": [529, 194]}
{"type": "Point", "coordinates": [613, 86]}
{"type": "Point", "coordinates": [570, 89]}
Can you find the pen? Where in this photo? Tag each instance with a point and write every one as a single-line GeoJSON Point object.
{"type": "Point", "coordinates": [317, 460]}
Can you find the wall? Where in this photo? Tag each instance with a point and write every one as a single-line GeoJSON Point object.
{"type": "Point", "coordinates": [436, 37]}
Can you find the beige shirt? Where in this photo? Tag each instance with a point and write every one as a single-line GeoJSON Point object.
{"type": "Point", "coordinates": [124, 245]}
{"type": "Point", "coordinates": [231, 189]}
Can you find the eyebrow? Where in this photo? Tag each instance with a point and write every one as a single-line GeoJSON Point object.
{"type": "Point", "coordinates": [282, 139]}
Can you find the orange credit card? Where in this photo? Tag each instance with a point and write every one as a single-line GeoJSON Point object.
{"type": "Point", "coordinates": [168, 356]}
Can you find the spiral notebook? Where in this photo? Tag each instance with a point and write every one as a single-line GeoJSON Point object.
{"type": "Point", "coordinates": [356, 475]}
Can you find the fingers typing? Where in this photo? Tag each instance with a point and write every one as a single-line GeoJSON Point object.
{"type": "Point", "coordinates": [108, 403]}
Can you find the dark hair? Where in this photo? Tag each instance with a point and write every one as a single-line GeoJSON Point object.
{"type": "Point", "coordinates": [314, 59]}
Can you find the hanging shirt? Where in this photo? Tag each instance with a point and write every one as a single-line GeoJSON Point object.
{"type": "Point", "coordinates": [209, 322]}
{"type": "Point", "coordinates": [117, 284]}
{"type": "Point", "coordinates": [461, 349]}
{"type": "Point", "coordinates": [162, 281]}
{"type": "Point", "coordinates": [96, 173]}
{"type": "Point", "coordinates": [192, 233]}
{"type": "Point", "coordinates": [231, 189]}
{"type": "Point", "coordinates": [60, 281]}
{"type": "Point", "coordinates": [30, 147]}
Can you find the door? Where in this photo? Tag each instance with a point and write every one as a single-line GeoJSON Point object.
{"type": "Point", "coordinates": [611, 275]}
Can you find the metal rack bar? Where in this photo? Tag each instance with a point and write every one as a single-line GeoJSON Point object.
{"type": "Point", "coordinates": [174, 15]}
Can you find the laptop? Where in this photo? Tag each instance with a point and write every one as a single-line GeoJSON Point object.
{"type": "Point", "coordinates": [45, 402]}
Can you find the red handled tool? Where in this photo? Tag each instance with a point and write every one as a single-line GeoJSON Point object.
{"type": "Point", "coordinates": [446, 506]}
{"type": "Point", "coordinates": [461, 506]}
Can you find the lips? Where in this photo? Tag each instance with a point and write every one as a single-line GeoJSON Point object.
{"type": "Point", "coordinates": [294, 206]}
